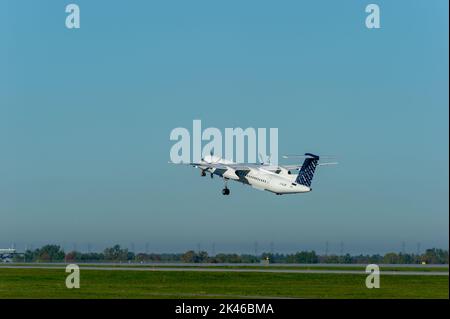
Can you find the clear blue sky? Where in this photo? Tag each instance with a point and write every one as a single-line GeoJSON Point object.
{"type": "Point", "coordinates": [85, 117]}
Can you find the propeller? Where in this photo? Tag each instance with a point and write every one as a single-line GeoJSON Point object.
{"type": "Point", "coordinates": [211, 153]}
{"type": "Point", "coordinates": [261, 160]}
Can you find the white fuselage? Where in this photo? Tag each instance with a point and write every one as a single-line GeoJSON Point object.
{"type": "Point", "coordinates": [258, 177]}
{"type": "Point", "coordinates": [6, 254]}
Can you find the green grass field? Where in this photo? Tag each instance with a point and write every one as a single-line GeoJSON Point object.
{"type": "Point", "coordinates": [50, 283]}
{"type": "Point", "coordinates": [256, 266]}
{"type": "Point", "coordinates": [309, 267]}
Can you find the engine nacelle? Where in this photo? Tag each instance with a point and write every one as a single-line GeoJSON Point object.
{"type": "Point", "coordinates": [284, 171]}
{"type": "Point", "coordinates": [230, 174]}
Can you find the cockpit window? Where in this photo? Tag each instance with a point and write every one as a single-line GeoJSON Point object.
{"type": "Point", "coordinates": [293, 184]}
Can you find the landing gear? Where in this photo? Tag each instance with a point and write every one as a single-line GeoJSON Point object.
{"type": "Point", "coordinates": [225, 190]}
{"type": "Point", "coordinates": [203, 173]}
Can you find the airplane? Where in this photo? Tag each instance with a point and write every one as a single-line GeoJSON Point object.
{"type": "Point", "coordinates": [277, 179]}
{"type": "Point", "coordinates": [6, 255]}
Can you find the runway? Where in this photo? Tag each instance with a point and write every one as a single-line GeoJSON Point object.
{"type": "Point", "coordinates": [200, 269]}
{"type": "Point", "coordinates": [177, 264]}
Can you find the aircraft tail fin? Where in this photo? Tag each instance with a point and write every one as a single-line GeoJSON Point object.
{"type": "Point", "coordinates": [306, 173]}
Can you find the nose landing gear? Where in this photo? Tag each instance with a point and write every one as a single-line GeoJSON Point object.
{"type": "Point", "coordinates": [225, 190]}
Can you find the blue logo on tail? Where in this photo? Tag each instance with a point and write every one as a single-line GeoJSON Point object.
{"type": "Point", "coordinates": [306, 173]}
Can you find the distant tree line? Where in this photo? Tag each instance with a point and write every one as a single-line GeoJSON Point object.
{"type": "Point", "coordinates": [430, 256]}
{"type": "Point", "coordinates": [54, 253]}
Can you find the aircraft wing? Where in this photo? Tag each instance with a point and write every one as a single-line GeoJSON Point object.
{"type": "Point", "coordinates": [236, 167]}
{"type": "Point", "coordinates": [298, 167]}
{"type": "Point", "coordinates": [248, 167]}
{"type": "Point", "coordinates": [290, 167]}
{"type": "Point", "coordinates": [203, 165]}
